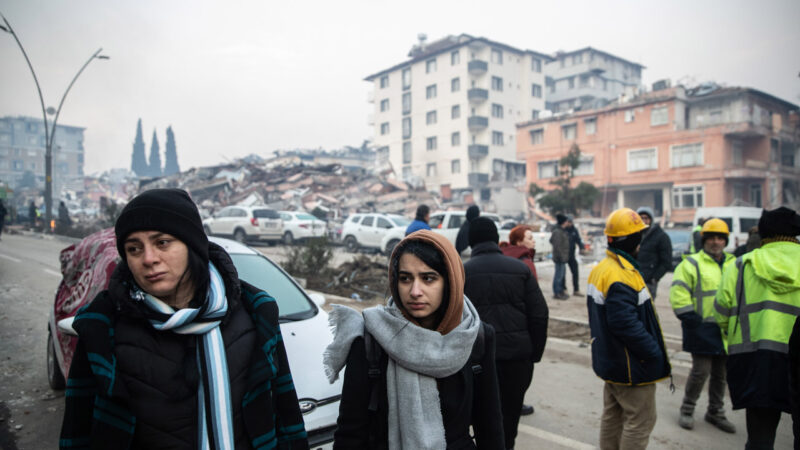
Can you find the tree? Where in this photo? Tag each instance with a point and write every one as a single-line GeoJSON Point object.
{"type": "Point", "coordinates": [138, 160]}
{"type": "Point", "coordinates": [564, 198]}
{"type": "Point", "coordinates": [171, 154]}
{"type": "Point", "coordinates": [155, 157]}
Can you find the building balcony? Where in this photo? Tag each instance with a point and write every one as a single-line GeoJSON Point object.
{"type": "Point", "coordinates": [477, 180]}
{"type": "Point", "coordinates": [477, 123]}
{"type": "Point", "coordinates": [477, 67]}
{"type": "Point", "coordinates": [477, 95]}
{"type": "Point", "coordinates": [476, 151]}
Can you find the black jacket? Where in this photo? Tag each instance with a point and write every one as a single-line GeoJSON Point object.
{"type": "Point", "coordinates": [466, 399]}
{"type": "Point", "coordinates": [655, 254]}
{"type": "Point", "coordinates": [507, 297]}
{"type": "Point", "coordinates": [574, 241]}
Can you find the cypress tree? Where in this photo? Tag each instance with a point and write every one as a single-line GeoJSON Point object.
{"type": "Point", "coordinates": [171, 154]}
{"type": "Point", "coordinates": [138, 160]}
{"type": "Point", "coordinates": [155, 158]}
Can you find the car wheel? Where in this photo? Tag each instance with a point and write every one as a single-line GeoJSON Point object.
{"type": "Point", "coordinates": [391, 245]}
{"type": "Point", "coordinates": [288, 239]}
{"type": "Point", "coordinates": [207, 230]}
{"type": "Point", "coordinates": [239, 235]}
{"type": "Point", "coordinates": [54, 375]}
{"type": "Point", "coordinates": [351, 244]}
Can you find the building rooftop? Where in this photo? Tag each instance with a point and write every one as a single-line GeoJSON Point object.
{"type": "Point", "coordinates": [560, 54]}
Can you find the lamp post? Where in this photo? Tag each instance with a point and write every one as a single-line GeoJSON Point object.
{"type": "Point", "coordinates": [49, 132]}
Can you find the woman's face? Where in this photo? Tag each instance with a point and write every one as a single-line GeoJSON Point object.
{"type": "Point", "coordinates": [528, 241]}
{"type": "Point", "coordinates": [421, 289]}
{"type": "Point", "coordinates": [158, 261]}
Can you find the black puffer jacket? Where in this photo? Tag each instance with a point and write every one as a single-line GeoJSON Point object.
{"type": "Point", "coordinates": [507, 296]}
{"type": "Point", "coordinates": [655, 253]}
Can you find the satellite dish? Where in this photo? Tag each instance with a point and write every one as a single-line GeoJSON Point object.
{"type": "Point", "coordinates": [51, 110]}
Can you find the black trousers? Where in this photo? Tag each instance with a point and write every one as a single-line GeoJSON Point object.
{"type": "Point", "coordinates": [573, 268]}
{"type": "Point", "coordinates": [762, 424]}
{"type": "Point", "coordinates": [514, 377]}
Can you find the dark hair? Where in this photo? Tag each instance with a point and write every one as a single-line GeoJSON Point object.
{"type": "Point", "coordinates": [428, 254]}
{"type": "Point", "coordinates": [708, 234]}
{"type": "Point", "coordinates": [422, 211]}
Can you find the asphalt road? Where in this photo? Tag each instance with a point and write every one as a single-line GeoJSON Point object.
{"type": "Point", "coordinates": [565, 391]}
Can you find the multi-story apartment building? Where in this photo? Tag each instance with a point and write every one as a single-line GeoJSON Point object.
{"type": "Point", "coordinates": [22, 149]}
{"type": "Point", "coordinates": [675, 150]}
{"type": "Point", "coordinates": [588, 78]}
{"type": "Point", "coordinates": [447, 115]}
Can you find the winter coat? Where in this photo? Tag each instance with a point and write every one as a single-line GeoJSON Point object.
{"type": "Point", "coordinates": [507, 296]}
{"type": "Point", "coordinates": [523, 254]}
{"type": "Point", "coordinates": [462, 238]}
{"type": "Point", "coordinates": [417, 225]}
{"type": "Point", "coordinates": [465, 399]}
{"type": "Point", "coordinates": [655, 253]}
{"type": "Point", "coordinates": [574, 241]}
{"type": "Point", "coordinates": [560, 240]}
{"type": "Point", "coordinates": [154, 387]}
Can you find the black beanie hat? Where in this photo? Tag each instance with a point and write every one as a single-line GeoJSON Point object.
{"type": "Point", "coordinates": [167, 210]}
{"type": "Point", "coordinates": [560, 218]}
{"type": "Point", "coordinates": [779, 222]}
{"type": "Point", "coordinates": [482, 229]}
{"type": "Point", "coordinates": [473, 212]}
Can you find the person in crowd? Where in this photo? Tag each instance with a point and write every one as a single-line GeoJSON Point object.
{"type": "Point", "coordinates": [655, 251]}
{"type": "Point", "coordinates": [753, 242]}
{"type": "Point", "coordinates": [794, 380]}
{"type": "Point", "coordinates": [507, 296]}
{"type": "Point", "coordinates": [33, 213]}
{"type": "Point", "coordinates": [63, 215]}
{"type": "Point", "coordinates": [2, 216]}
{"type": "Point", "coordinates": [756, 308]}
{"type": "Point", "coordinates": [694, 286]}
{"type": "Point", "coordinates": [420, 222]}
{"type": "Point", "coordinates": [575, 245]}
{"type": "Point", "coordinates": [559, 238]}
{"type": "Point", "coordinates": [178, 352]}
{"type": "Point", "coordinates": [697, 240]}
{"type": "Point", "coordinates": [521, 246]}
{"type": "Point", "coordinates": [628, 349]}
{"type": "Point", "coordinates": [462, 238]}
{"type": "Point", "coordinates": [420, 370]}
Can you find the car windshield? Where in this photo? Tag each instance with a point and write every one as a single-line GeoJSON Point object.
{"type": "Point", "coordinates": [263, 274]}
{"type": "Point", "coordinates": [400, 221]}
{"type": "Point", "coordinates": [305, 217]}
{"type": "Point", "coordinates": [679, 236]}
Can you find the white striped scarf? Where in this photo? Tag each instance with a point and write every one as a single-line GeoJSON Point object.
{"type": "Point", "coordinates": [214, 396]}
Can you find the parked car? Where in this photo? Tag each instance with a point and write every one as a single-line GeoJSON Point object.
{"type": "Point", "coordinates": [681, 240]}
{"type": "Point", "coordinates": [88, 265]}
{"type": "Point", "coordinates": [300, 225]}
{"type": "Point", "coordinates": [449, 222]}
{"type": "Point", "coordinates": [368, 231]}
{"type": "Point", "coordinates": [739, 219]}
{"type": "Point", "coordinates": [246, 223]}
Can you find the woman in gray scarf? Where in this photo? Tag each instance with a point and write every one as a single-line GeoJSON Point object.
{"type": "Point", "coordinates": [436, 373]}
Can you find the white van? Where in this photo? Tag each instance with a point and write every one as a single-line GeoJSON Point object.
{"type": "Point", "coordinates": [739, 219]}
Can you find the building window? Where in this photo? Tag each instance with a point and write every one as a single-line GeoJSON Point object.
{"type": "Point", "coordinates": [455, 112]}
{"type": "Point", "coordinates": [406, 127]}
{"type": "Point", "coordinates": [534, 114]}
{"type": "Point", "coordinates": [629, 115]}
{"type": "Point", "coordinates": [585, 166]}
{"type": "Point", "coordinates": [659, 116]}
{"type": "Point", "coordinates": [430, 118]}
{"type": "Point", "coordinates": [430, 169]}
{"type": "Point", "coordinates": [497, 110]}
{"type": "Point", "coordinates": [590, 125]}
{"type": "Point", "coordinates": [548, 169]}
{"type": "Point", "coordinates": [787, 154]}
{"type": "Point", "coordinates": [569, 132]}
{"type": "Point", "coordinates": [430, 143]}
{"type": "Point", "coordinates": [455, 139]}
{"type": "Point", "coordinates": [687, 196]}
{"type": "Point", "coordinates": [455, 166]}
{"type": "Point", "coordinates": [688, 155]}
{"type": "Point", "coordinates": [406, 152]}
{"type": "Point", "coordinates": [406, 78]}
{"type": "Point", "coordinates": [455, 84]}
{"type": "Point", "coordinates": [430, 66]}
{"type": "Point", "coordinates": [577, 58]}
{"type": "Point", "coordinates": [536, 65]}
{"type": "Point", "coordinates": [755, 195]}
{"type": "Point", "coordinates": [406, 172]}
{"type": "Point", "coordinates": [497, 56]}
{"type": "Point", "coordinates": [384, 81]}
{"type": "Point", "coordinates": [497, 84]}
{"type": "Point", "coordinates": [455, 58]}
{"type": "Point", "coordinates": [430, 91]}
{"type": "Point", "coordinates": [536, 90]}
{"type": "Point", "coordinates": [737, 153]}
{"type": "Point", "coordinates": [738, 191]}
{"type": "Point", "coordinates": [537, 136]}
{"type": "Point", "coordinates": [584, 81]}
{"type": "Point", "coordinates": [497, 138]}
{"type": "Point", "coordinates": [384, 105]}
{"type": "Point", "coordinates": [385, 128]}
{"type": "Point", "coordinates": [571, 82]}
{"type": "Point", "coordinates": [407, 103]}
{"type": "Point", "coordinates": [643, 159]}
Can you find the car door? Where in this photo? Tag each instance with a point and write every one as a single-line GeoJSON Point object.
{"type": "Point", "coordinates": [382, 225]}
{"type": "Point", "coordinates": [366, 231]}
{"type": "Point", "coordinates": [221, 222]}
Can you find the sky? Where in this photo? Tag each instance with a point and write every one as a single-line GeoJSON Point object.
{"type": "Point", "coordinates": [239, 77]}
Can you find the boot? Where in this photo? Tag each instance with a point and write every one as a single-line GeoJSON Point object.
{"type": "Point", "coordinates": [527, 410]}
{"type": "Point", "coordinates": [686, 421]}
{"type": "Point", "coordinates": [719, 420]}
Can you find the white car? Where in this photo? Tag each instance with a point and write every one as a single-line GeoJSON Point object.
{"type": "Point", "coordinates": [299, 225]}
{"type": "Point", "coordinates": [449, 222]}
{"type": "Point", "coordinates": [246, 223]}
{"type": "Point", "coordinates": [368, 230]}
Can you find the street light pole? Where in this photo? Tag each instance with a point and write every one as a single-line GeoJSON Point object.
{"type": "Point", "coordinates": [49, 131]}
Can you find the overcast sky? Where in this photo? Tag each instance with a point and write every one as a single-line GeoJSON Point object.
{"type": "Point", "coordinates": [240, 77]}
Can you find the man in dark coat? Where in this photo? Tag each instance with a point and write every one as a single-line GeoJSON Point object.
{"type": "Point", "coordinates": [575, 243]}
{"type": "Point", "coordinates": [560, 241]}
{"type": "Point", "coordinates": [507, 296]}
{"type": "Point", "coordinates": [655, 251]}
{"type": "Point", "coordinates": [2, 216]}
{"type": "Point", "coordinates": [462, 238]}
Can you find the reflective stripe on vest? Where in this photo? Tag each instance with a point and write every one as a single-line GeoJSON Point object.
{"type": "Point", "coordinates": [698, 294]}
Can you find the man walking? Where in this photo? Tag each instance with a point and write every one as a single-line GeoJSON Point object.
{"type": "Point", "coordinates": [421, 220]}
{"type": "Point", "coordinates": [462, 238]}
{"type": "Point", "coordinates": [575, 244]}
{"type": "Point", "coordinates": [655, 251]}
{"type": "Point", "coordinates": [507, 296]}
{"type": "Point", "coordinates": [756, 307]}
{"type": "Point", "coordinates": [2, 216]}
{"type": "Point", "coordinates": [692, 294]}
{"type": "Point", "coordinates": [628, 348]}
{"type": "Point", "coordinates": [560, 241]}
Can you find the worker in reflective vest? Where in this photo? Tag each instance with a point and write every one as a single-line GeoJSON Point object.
{"type": "Point", "coordinates": [692, 294]}
{"type": "Point", "coordinates": [756, 307]}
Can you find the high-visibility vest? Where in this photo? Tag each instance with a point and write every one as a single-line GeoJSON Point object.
{"type": "Point", "coordinates": [695, 282]}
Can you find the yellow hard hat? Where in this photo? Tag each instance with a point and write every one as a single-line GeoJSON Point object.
{"type": "Point", "coordinates": [715, 226]}
{"type": "Point", "coordinates": [623, 222]}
